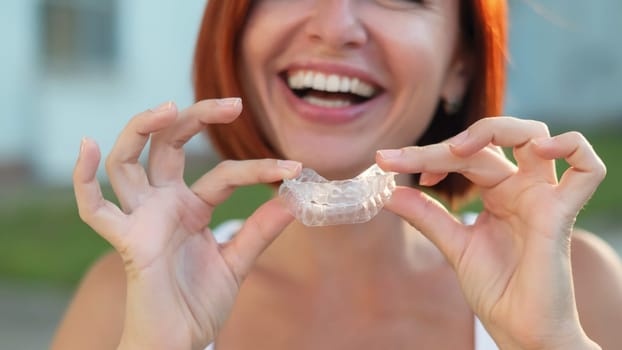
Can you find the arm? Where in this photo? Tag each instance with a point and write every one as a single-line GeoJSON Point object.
{"type": "Point", "coordinates": [94, 319]}
{"type": "Point", "coordinates": [597, 273]}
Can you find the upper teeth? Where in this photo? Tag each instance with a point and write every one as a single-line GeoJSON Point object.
{"type": "Point", "coordinates": [329, 82]}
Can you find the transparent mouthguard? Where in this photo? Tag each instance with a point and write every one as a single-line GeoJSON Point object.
{"type": "Point", "coordinates": [315, 201]}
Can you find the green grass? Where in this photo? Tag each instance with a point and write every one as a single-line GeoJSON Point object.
{"type": "Point", "coordinates": [42, 238]}
{"type": "Point", "coordinates": [608, 197]}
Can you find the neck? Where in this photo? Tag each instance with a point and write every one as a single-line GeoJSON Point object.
{"type": "Point", "coordinates": [383, 247]}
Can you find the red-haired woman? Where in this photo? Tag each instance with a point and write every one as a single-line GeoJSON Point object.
{"type": "Point", "coordinates": [338, 85]}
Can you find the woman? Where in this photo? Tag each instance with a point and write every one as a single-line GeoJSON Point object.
{"type": "Point", "coordinates": [327, 84]}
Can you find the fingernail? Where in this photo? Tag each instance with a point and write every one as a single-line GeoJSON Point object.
{"type": "Point", "coordinates": [292, 167]}
{"type": "Point", "coordinates": [229, 101]}
{"type": "Point", "coordinates": [459, 139]}
{"type": "Point", "coordinates": [163, 107]}
{"type": "Point", "coordinates": [389, 153]}
{"type": "Point", "coordinates": [82, 144]}
{"type": "Point", "coordinates": [424, 180]}
{"type": "Point", "coordinates": [82, 147]}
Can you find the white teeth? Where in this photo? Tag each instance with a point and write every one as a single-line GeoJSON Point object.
{"type": "Point", "coordinates": [354, 85]}
{"type": "Point", "coordinates": [344, 85]}
{"type": "Point", "coordinates": [307, 79]}
{"type": "Point", "coordinates": [319, 82]}
{"type": "Point", "coordinates": [331, 83]}
{"type": "Point", "coordinates": [328, 103]}
{"type": "Point", "coordinates": [361, 88]}
{"type": "Point", "coordinates": [295, 81]}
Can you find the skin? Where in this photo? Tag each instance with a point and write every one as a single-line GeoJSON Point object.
{"type": "Point", "coordinates": [407, 278]}
{"type": "Point", "coordinates": [410, 50]}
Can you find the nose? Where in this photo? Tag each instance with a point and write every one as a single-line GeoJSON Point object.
{"type": "Point", "coordinates": [336, 24]}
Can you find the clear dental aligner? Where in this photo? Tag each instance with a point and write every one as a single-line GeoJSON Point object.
{"type": "Point", "coordinates": [316, 201]}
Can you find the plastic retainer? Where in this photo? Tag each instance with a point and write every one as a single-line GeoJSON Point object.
{"type": "Point", "coordinates": [316, 201]}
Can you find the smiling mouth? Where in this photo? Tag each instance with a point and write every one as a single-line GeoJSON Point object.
{"type": "Point", "coordinates": [329, 90]}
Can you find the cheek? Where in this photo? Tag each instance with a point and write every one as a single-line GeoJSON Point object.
{"type": "Point", "coordinates": [418, 59]}
{"type": "Point", "coordinates": [268, 26]}
{"type": "Point", "coordinates": [416, 45]}
{"type": "Point", "coordinates": [260, 55]}
{"type": "Point", "coordinates": [255, 56]}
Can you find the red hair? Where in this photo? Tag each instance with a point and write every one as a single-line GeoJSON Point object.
{"type": "Point", "coordinates": [484, 33]}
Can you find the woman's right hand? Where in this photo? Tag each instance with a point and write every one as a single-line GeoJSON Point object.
{"type": "Point", "coordinates": [181, 284]}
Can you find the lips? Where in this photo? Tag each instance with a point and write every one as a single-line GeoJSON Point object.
{"type": "Point", "coordinates": [329, 95]}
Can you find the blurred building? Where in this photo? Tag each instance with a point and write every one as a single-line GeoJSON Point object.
{"type": "Point", "coordinates": [73, 68]}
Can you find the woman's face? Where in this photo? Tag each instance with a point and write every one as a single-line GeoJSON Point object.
{"type": "Point", "coordinates": [332, 81]}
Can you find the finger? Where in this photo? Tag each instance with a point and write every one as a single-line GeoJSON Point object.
{"type": "Point", "coordinates": [166, 154]}
{"type": "Point", "coordinates": [507, 132]}
{"type": "Point", "coordinates": [431, 179]}
{"type": "Point", "coordinates": [586, 169]}
{"type": "Point", "coordinates": [218, 184]}
{"type": "Point", "coordinates": [127, 175]}
{"type": "Point", "coordinates": [431, 219]}
{"type": "Point", "coordinates": [101, 215]}
{"type": "Point", "coordinates": [486, 168]}
{"type": "Point", "coordinates": [258, 231]}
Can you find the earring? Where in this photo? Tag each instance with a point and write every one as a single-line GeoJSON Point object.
{"type": "Point", "coordinates": [452, 107]}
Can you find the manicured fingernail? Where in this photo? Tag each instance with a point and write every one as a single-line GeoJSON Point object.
{"type": "Point", "coordinates": [163, 107]}
{"type": "Point", "coordinates": [390, 153]}
{"type": "Point", "coordinates": [229, 102]}
{"type": "Point", "coordinates": [424, 180]}
{"type": "Point", "coordinates": [292, 167]}
{"type": "Point", "coordinates": [459, 139]}
{"type": "Point", "coordinates": [82, 145]}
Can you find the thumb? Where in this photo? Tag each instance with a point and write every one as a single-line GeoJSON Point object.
{"type": "Point", "coordinates": [258, 231]}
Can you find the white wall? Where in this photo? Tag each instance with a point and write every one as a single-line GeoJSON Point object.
{"type": "Point", "coordinates": [17, 59]}
{"type": "Point", "coordinates": [156, 47]}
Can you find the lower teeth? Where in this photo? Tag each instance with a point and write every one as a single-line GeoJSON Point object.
{"type": "Point", "coordinates": [328, 103]}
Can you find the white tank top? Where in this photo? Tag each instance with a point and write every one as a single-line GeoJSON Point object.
{"type": "Point", "coordinates": [483, 341]}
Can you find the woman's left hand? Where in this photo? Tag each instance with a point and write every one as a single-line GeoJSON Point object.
{"type": "Point", "coordinates": [514, 262]}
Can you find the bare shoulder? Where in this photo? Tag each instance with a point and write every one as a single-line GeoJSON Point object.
{"type": "Point", "coordinates": [94, 318]}
{"type": "Point", "coordinates": [597, 272]}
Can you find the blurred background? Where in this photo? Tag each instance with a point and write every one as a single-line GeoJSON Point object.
{"type": "Point", "coordinates": [74, 68]}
